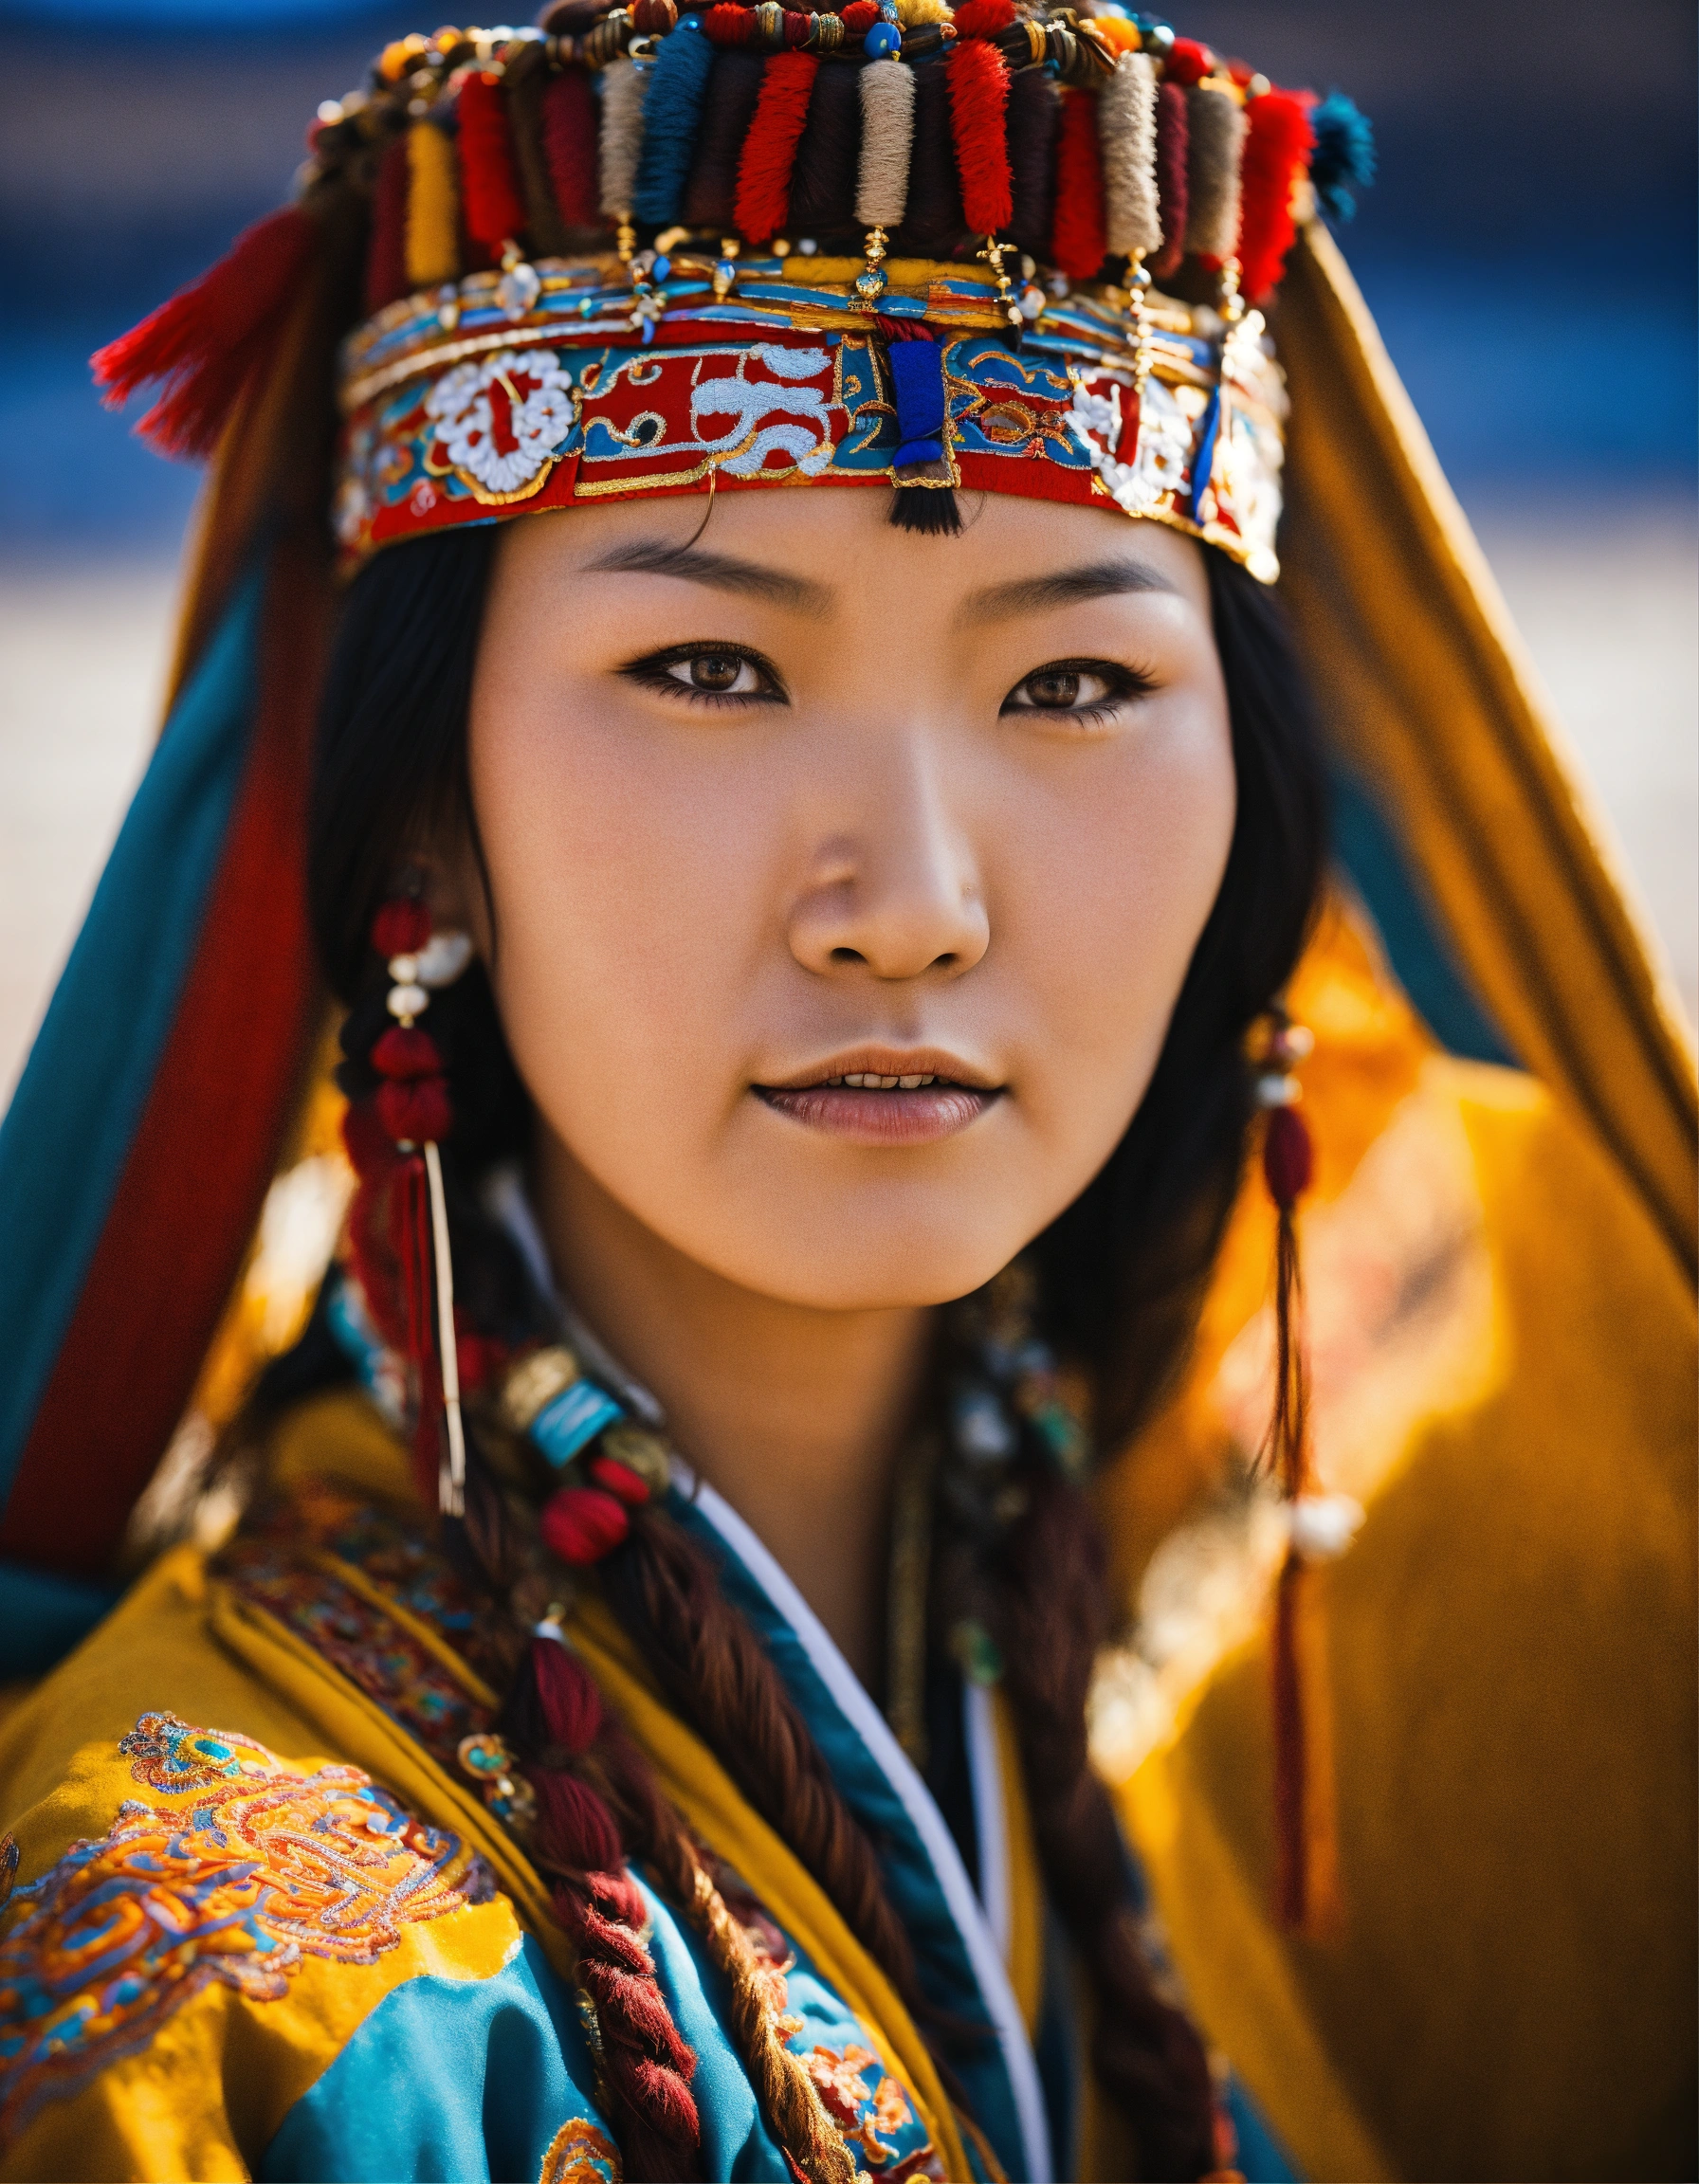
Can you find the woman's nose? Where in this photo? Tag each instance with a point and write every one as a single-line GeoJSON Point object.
{"type": "Point", "coordinates": [896, 891]}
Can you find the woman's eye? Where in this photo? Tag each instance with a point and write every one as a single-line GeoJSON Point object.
{"type": "Point", "coordinates": [706, 673]}
{"type": "Point", "coordinates": [1089, 688]}
{"type": "Point", "coordinates": [721, 674]}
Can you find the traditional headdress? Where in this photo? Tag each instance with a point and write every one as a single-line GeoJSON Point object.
{"type": "Point", "coordinates": [638, 252]}
{"type": "Point", "coordinates": [641, 252]}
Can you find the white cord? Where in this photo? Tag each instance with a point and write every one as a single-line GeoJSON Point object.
{"type": "Point", "coordinates": [451, 1489]}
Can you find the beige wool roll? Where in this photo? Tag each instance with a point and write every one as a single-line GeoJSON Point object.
{"type": "Point", "coordinates": [623, 87]}
{"type": "Point", "coordinates": [1217, 137]}
{"type": "Point", "coordinates": [1126, 124]}
{"type": "Point", "coordinates": [886, 136]}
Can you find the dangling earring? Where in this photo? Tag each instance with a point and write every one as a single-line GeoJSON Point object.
{"type": "Point", "coordinates": [415, 1109]}
{"type": "Point", "coordinates": [1319, 1526]}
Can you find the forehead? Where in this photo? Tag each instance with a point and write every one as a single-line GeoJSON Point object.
{"type": "Point", "coordinates": [826, 552]}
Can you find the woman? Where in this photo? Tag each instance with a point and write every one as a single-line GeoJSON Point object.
{"type": "Point", "coordinates": [811, 967]}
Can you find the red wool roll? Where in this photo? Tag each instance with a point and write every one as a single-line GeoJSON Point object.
{"type": "Point", "coordinates": [770, 149]}
{"type": "Point", "coordinates": [401, 927]}
{"type": "Point", "coordinates": [731, 25]}
{"type": "Point", "coordinates": [581, 1524]}
{"type": "Point", "coordinates": [415, 1111]}
{"type": "Point", "coordinates": [495, 212]}
{"type": "Point", "coordinates": [979, 78]}
{"type": "Point", "coordinates": [569, 142]}
{"type": "Point", "coordinates": [860, 16]}
{"type": "Point", "coordinates": [1277, 150]}
{"type": "Point", "coordinates": [1173, 140]}
{"type": "Point", "coordinates": [1078, 241]}
{"type": "Point", "coordinates": [795, 28]}
{"type": "Point", "coordinates": [983, 18]}
{"type": "Point", "coordinates": [406, 1052]}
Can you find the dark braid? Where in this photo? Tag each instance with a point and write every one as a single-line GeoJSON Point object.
{"type": "Point", "coordinates": [715, 1671]}
{"type": "Point", "coordinates": [1054, 1611]}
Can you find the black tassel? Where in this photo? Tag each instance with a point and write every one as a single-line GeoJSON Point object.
{"type": "Point", "coordinates": [926, 508]}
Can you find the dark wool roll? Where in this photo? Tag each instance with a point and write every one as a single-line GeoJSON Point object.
{"type": "Point", "coordinates": [544, 228]}
{"type": "Point", "coordinates": [1172, 140]}
{"type": "Point", "coordinates": [385, 259]}
{"type": "Point", "coordinates": [823, 181]}
{"type": "Point", "coordinates": [934, 224]}
{"type": "Point", "coordinates": [569, 133]}
{"type": "Point", "coordinates": [1034, 116]}
{"type": "Point", "coordinates": [710, 196]}
{"type": "Point", "coordinates": [672, 120]}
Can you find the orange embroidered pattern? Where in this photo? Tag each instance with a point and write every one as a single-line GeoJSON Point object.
{"type": "Point", "coordinates": [860, 2113]}
{"type": "Point", "coordinates": [262, 1868]}
{"type": "Point", "coordinates": [580, 2153]}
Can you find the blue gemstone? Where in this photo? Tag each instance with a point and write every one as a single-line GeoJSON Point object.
{"type": "Point", "coordinates": [663, 267]}
{"type": "Point", "coordinates": [882, 40]}
{"type": "Point", "coordinates": [578, 1413]}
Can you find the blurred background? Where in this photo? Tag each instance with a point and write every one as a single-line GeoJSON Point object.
{"type": "Point", "coordinates": [1529, 250]}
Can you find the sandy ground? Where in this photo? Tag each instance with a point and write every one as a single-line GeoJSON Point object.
{"type": "Point", "coordinates": [1607, 598]}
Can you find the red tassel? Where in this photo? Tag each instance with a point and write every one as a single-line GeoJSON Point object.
{"type": "Point", "coordinates": [410, 1236]}
{"type": "Point", "coordinates": [1277, 149]}
{"type": "Point", "coordinates": [770, 149]}
{"type": "Point", "coordinates": [1291, 1862]}
{"type": "Point", "coordinates": [211, 339]}
{"type": "Point", "coordinates": [495, 212]}
{"type": "Point", "coordinates": [979, 78]}
{"type": "Point", "coordinates": [568, 121]}
{"type": "Point", "coordinates": [581, 1524]}
{"type": "Point", "coordinates": [386, 259]}
{"type": "Point", "coordinates": [371, 1149]}
{"type": "Point", "coordinates": [1078, 243]}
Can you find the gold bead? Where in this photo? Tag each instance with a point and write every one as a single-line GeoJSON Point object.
{"type": "Point", "coordinates": [534, 1383]}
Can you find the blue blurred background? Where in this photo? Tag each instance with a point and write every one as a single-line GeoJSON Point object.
{"type": "Point", "coordinates": [1529, 250]}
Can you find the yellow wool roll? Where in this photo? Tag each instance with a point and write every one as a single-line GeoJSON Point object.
{"type": "Point", "coordinates": [433, 206]}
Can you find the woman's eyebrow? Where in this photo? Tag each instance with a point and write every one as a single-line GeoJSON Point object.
{"type": "Point", "coordinates": [1064, 588]}
{"type": "Point", "coordinates": [720, 571]}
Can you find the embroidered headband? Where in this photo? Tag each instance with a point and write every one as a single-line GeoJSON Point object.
{"type": "Point", "coordinates": [636, 251]}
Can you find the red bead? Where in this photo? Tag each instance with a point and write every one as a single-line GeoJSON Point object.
{"type": "Point", "coordinates": [1189, 62]}
{"type": "Point", "coordinates": [580, 1524]}
{"type": "Point", "coordinates": [1289, 1159]}
{"type": "Point", "coordinates": [401, 927]}
{"type": "Point", "coordinates": [416, 1111]}
{"type": "Point", "coordinates": [619, 1479]}
{"type": "Point", "coordinates": [405, 1051]}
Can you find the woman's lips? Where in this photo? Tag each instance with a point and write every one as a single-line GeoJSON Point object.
{"type": "Point", "coordinates": [899, 1115]}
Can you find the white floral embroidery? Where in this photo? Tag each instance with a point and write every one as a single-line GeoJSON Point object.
{"type": "Point", "coordinates": [1164, 442]}
{"type": "Point", "coordinates": [499, 420]}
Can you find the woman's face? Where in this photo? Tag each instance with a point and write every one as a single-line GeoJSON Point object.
{"type": "Point", "coordinates": [782, 814]}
